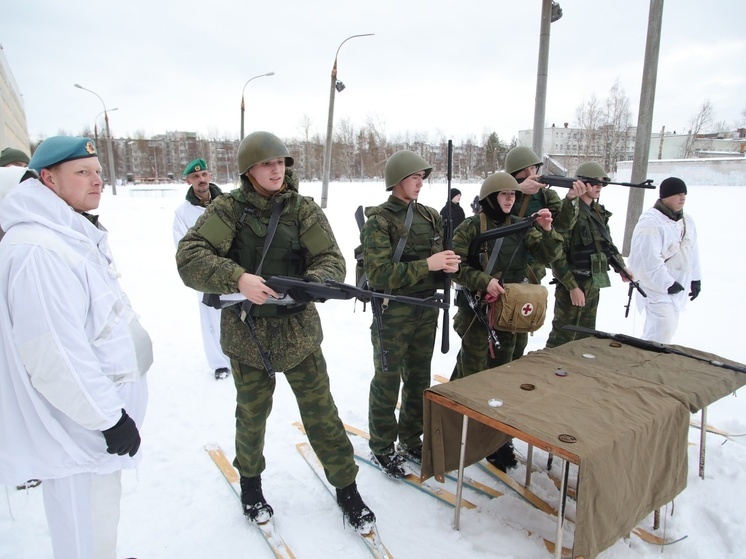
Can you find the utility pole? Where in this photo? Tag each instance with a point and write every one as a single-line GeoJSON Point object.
{"type": "Point", "coordinates": [644, 121]}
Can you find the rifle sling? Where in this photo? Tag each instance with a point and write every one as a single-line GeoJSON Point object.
{"type": "Point", "coordinates": [400, 246]}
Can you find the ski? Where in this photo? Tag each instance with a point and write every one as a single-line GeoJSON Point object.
{"type": "Point", "coordinates": [533, 499]}
{"type": "Point", "coordinates": [410, 479]}
{"type": "Point", "coordinates": [267, 529]}
{"type": "Point", "coordinates": [716, 431]}
{"type": "Point", "coordinates": [441, 494]}
{"type": "Point", "coordinates": [468, 482]}
{"type": "Point", "coordinates": [372, 539]}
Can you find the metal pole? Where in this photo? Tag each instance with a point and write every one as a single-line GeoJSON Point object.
{"type": "Point", "coordinates": [644, 121]}
{"type": "Point", "coordinates": [541, 78]}
{"type": "Point", "coordinates": [243, 105]}
{"type": "Point", "coordinates": [112, 175]}
{"type": "Point", "coordinates": [564, 475]}
{"type": "Point", "coordinates": [460, 482]}
{"type": "Point", "coordinates": [330, 125]}
{"type": "Point", "coordinates": [112, 171]}
{"type": "Point", "coordinates": [702, 443]}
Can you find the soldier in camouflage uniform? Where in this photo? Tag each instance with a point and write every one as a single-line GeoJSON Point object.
{"type": "Point", "coordinates": [220, 254]}
{"type": "Point", "coordinates": [408, 331]}
{"type": "Point", "coordinates": [542, 242]}
{"type": "Point", "coordinates": [583, 268]}
{"type": "Point", "coordinates": [523, 164]}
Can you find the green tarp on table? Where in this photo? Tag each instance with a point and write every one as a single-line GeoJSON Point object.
{"type": "Point", "coordinates": [627, 408]}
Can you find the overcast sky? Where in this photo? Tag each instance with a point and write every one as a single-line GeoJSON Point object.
{"type": "Point", "coordinates": [452, 69]}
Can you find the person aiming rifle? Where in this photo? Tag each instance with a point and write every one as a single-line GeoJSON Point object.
{"type": "Point", "coordinates": [582, 270]}
{"type": "Point", "coordinates": [402, 249]}
{"type": "Point", "coordinates": [532, 195]}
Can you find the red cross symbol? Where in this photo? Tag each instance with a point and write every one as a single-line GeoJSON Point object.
{"type": "Point", "coordinates": [527, 309]}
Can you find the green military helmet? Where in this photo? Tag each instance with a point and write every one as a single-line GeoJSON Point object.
{"type": "Point", "coordinates": [497, 182]}
{"type": "Point", "coordinates": [591, 170]}
{"type": "Point", "coordinates": [261, 146]}
{"type": "Point", "coordinates": [519, 158]}
{"type": "Point", "coordinates": [402, 164]}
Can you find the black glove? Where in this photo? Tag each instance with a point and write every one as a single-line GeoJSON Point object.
{"type": "Point", "coordinates": [696, 288]}
{"type": "Point", "coordinates": [123, 438]}
{"type": "Point", "coordinates": [675, 288]}
{"type": "Point", "coordinates": [300, 295]}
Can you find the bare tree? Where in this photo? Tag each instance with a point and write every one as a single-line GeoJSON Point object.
{"type": "Point", "coordinates": [697, 125]}
{"type": "Point", "coordinates": [304, 125]}
{"type": "Point", "coordinates": [344, 151]}
{"type": "Point", "coordinates": [616, 127]}
{"type": "Point", "coordinates": [589, 116]}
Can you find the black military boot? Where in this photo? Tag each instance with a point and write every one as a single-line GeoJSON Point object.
{"type": "Point", "coordinates": [504, 457]}
{"type": "Point", "coordinates": [391, 464]}
{"type": "Point", "coordinates": [356, 513]}
{"type": "Point", "coordinates": [255, 506]}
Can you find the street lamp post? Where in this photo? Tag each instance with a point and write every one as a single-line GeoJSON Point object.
{"type": "Point", "coordinates": [335, 86]}
{"type": "Point", "coordinates": [242, 97]}
{"type": "Point", "coordinates": [550, 12]}
{"type": "Point", "coordinates": [112, 173]}
{"type": "Point", "coordinates": [95, 124]}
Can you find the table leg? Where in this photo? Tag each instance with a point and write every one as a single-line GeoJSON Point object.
{"type": "Point", "coordinates": [565, 474]}
{"type": "Point", "coordinates": [460, 482]}
{"type": "Point", "coordinates": [529, 464]}
{"type": "Point", "coordinates": [702, 442]}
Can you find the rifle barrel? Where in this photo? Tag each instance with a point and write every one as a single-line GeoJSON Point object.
{"type": "Point", "coordinates": [566, 182]}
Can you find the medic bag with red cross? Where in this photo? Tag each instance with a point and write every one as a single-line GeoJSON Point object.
{"type": "Point", "coordinates": [521, 309]}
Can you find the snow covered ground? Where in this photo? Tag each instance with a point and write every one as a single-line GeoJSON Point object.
{"type": "Point", "coordinates": [177, 504]}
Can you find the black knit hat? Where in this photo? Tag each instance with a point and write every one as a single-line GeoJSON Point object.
{"type": "Point", "coordinates": [672, 186]}
{"type": "Point", "coordinates": [455, 192]}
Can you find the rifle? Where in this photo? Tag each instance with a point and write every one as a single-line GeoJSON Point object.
{"type": "Point", "coordinates": [630, 291]}
{"type": "Point", "coordinates": [244, 313]}
{"type": "Point", "coordinates": [652, 346]}
{"type": "Point", "coordinates": [447, 245]}
{"type": "Point", "coordinates": [566, 182]}
{"type": "Point", "coordinates": [498, 232]}
{"type": "Point", "coordinates": [376, 305]}
{"type": "Point", "coordinates": [330, 289]}
{"type": "Point", "coordinates": [481, 312]}
{"type": "Point", "coordinates": [619, 268]}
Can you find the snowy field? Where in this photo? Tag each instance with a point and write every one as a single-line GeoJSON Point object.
{"type": "Point", "coordinates": [178, 506]}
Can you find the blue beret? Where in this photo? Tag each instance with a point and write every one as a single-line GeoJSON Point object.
{"type": "Point", "coordinates": [194, 166]}
{"type": "Point", "coordinates": [59, 149]}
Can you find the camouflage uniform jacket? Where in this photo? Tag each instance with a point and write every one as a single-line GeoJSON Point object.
{"type": "Point", "coordinates": [203, 265]}
{"type": "Point", "coordinates": [544, 246]}
{"type": "Point", "coordinates": [379, 238]}
{"type": "Point", "coordinates": [581, 247]}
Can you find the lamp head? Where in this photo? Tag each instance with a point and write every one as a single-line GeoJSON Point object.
{"type": "Point", "coordinates": [339, 86]}
{"type": "Point", "coordinates": [556, 12]}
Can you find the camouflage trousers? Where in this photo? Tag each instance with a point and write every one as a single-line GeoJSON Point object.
{"type": "Point", "coordinates": [474, 355]}
{"type": "Point", "coordinates": [567, 313]}
{"type": "Point", "coordinates": [408, 339]}
{"type": "Point", "coordinates": [309, 382]}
